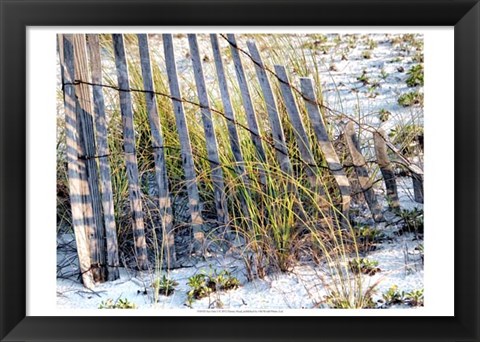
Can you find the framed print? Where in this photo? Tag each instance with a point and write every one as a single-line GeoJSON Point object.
{"type": "Point", "coordinates": [249, 170]}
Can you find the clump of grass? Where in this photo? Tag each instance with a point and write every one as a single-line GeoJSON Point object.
{"type": "Point", "coordinates": [364, 266]}
{"type": "Point", "coordinates": [367, 237]}
{"type": "Point", "coordinates": [407, 137]}
{"type": "Point", "coordinates": [412, 220]}
{"type": "Point", "coordinates": [336, 301]}
{"type": "Point", "coordinates": [364, 77]}
{"type": "Point", "coordinates": [410, 99]}
{"type": "Point", "coordinates": [415, 76]}
{"type": "Point", "coordinates": [164, 286]}
{"type": "Point", "coordinates": [393, 296]}
{"type": "Point", "coordinates": [202, 285]}
{"type": "Point", "coordinates": [383, 74]}
{"type": "Point", "coordinates": [371, 43]}
{"type": "Point", "coordinates": [384, 115]}
{"type": "Point", "coordinates": [415, 297]}
{"type": "Point", "coordinates": [118, 304]}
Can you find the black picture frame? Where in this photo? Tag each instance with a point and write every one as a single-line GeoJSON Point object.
{"type": "Point", "coordinates": [16, 15]}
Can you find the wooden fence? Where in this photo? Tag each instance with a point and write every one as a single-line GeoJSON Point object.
{"type": "Point", "coordinates": [89, 174]}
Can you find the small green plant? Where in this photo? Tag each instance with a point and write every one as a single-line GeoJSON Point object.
{"type": "Point", "coordinates": [200, 286]}
{"type": "Point", "coordinates": [414, 297]}
{"type": "Point", "coordinates": [410, 99]}
{"type": "Point", "coordinates": [225, 281]}
{"type": "Point", "coordinates": [393, 296]}
{"type": "Point", "coordinates": [407, 138]}
{"type": "Point", "coordinates": [383, 74]}
{"type": "Point", "coordinates": [164, 286]}
{"type": "Point", "coordinates": [367, 237]}
{"type": "Point", "coordinates": [203, 285]}
{"type": "Point", "coordinates": [415, 76]}
{"type": "Point", "coordinates": [372, 44]}
{"type": "Point", "coordinates": [364, 265]}
{"type": "Point", "coordinates": [384, 115]}
{"type": "Point", "coordinates": [118, 304]}
{"type": "Point", "coordinates": [363, 77]}
{"type": "Point", "coordinates": [412, 220]}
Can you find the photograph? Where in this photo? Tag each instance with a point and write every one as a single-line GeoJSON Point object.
{"type": "Point", "coordinates": [240, 172]}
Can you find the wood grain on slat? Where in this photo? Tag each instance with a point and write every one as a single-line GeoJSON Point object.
{"type": "Point", "coordinates": [164, 201]}
{"type": "Point", "coordinates": [379, 139]}
{"type": "Point", "coordinates": [87, 138]}
{"type": "Point", "coordinates": [231, 125]}
{"type": "Point", "coordinates": [187, 157]}
{"type": "Point", "coordinates": [248, 106]}
{"type": "Point", "coordinates": [103, 152]}
{"type": "Point", "coordinates": [209, 131]}
{"type": "Point", "coordinates": [362, 173]}
{"type": "Point", "coordinates": [130, 152]}
{"type": "Point", "coordinates": [77, 183]}
{"type": "Point", "coordinates": [228, 109]}
{"type": "Point", "coordinates": [300, 132]}
{"type": "Point", "coordinates": [336, 168]}
{"type": "Point", "coordinates": [278, 135]}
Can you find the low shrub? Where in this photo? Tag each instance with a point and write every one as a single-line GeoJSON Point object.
{"type": "Point", "coordinates": [118, 304]}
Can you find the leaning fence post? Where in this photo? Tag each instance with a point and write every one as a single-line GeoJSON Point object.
{"type": "Point", "coordinates": [211, 140]}
{"type": "Point", "coordinates": [299, 130]}
{"type": "Point", "coordinates": [248, 105]}
{"type": "Point", "coordinates": [277, 130]}
{"type": "Point", "coordinates": [130, 153]}
{"type": "Point", "coordinates": [336, 168]}
{"type": "Point", "coordinates": [417, 187]}
{"type": "Point", "coordinates": [187, 157]}
{"type": "Point", "coordinates": [77, 183]}
{"type": "Point", "coordinates": [383, 161]}
{"type": "Point", "coordinates": [416, 172]}
{"type": "Point", "coordinates": [164, 200]}
{"type": "Point", "coordinates": [362, 173]}
{"type": "Point", "coordinates": [228, 109]}
{"type": "Point", "coordinates": [103, 153]}
{"type": "Point", "coordinates": [231, 123]}
{"type": "Point", "coordinates": [87, 137]}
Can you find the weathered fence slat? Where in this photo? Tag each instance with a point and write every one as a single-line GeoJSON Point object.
{"type": "Point", "coordinates": [336, 168]}
{"type": "Point", "coordinates": [87, 136]}
{"type": "Point", "coordinates": [188, 164]}
{"type": "Point", "coordinates": [362, 173]}
{"type": "Point", "coordinates": [164, 200]}
{"type": "Point", "coordinates": [299, 130]}
{"type": "Point", "coordinates": [103, 153]}
{"type": "Point", "coordinates": [417, 187]}
{"type": "Point", "coordinates": [248, 105]}
{"type": "Point", "coordinates": [386, 169]}
{"type": "Point", "coordinates": [211, 140]}
{"type": "Point", "coordinates": [417, 173]}
{"type": "Point", "coordinates": [278, 134]}
{"type": "Point", "coordinates": [228, 109]}
{"type": "Point", "coordinates": [78, 187]}
{"type": "Point", "coordinates": [231, 123]}
{"type": "Point", "coordinates": [130, 153]}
